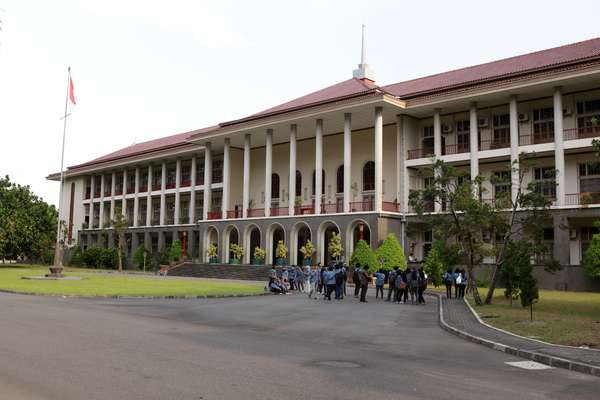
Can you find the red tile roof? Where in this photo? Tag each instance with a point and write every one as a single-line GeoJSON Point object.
{"type": "Point", "coordinates": [544, 59]}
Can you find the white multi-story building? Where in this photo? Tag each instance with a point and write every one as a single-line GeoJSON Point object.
{"type": "Point", "coordinates": [252, 181]}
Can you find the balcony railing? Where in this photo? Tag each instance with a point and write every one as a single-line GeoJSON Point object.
{"type": "Point", "coordinates": [107, 193]}
{"type": "Point", "coordinates": [421, 153]}
{"type": "Point", "coordinates": [581, 133]}
{"type": "Point", "coordinates": [118, 191]}
{"type": "Point", "coordinates": [88, 192]}
{"type": "Point", "coordinates": [526, 140]}
{"type": "Point", "coordinates": [130, 189]}
{"type": "Point", "coordinates": [361, 206]}
{"type": "Point", "coordinates": [215, 215]}
{"type": "Point", "coordinates": [233, 214]}
{"type": "Point", "coordinates": [279, 211]}
{"type": "Point", "coordinates": [456, 148]}
{"type": "Point", "coordinates": [304, 210]}
{"type": "Point", "coordinates": [186, 183]}
{"type": "Point", "coordinates": [97, 193]}
{"type": "Point", "coordinates": [494, 144]}
{"type": "Point", "coordinates": [156, 186]}
{"type": "Point", "coordinates": [143, 189]}
{"type": "Point", "coordinates": [170, 185]}
{"type": "Point", "coordinates": [256, 212]}
{"type": "Point", "coordinates": [582, 199]}
{"type": "Point", "coordinates": [331, 208]}
{"type": "Point", "coordinates": [390, 206]}
{"type": "Point", "coordinates": [217, 177]}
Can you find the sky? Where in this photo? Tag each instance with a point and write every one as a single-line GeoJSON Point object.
{"type": "Point", "coordinates": [143, 69]}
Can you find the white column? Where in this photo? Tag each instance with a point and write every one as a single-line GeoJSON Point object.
{"type": "Point", "coordinates": [559, 153]}
{"type": "Point", "coordinates": [347, 160]}
{"type": "Point", "coordinates": [474, 145]}
{"type": "Point", "coordinates": [192, 210]}
{"type": "Point", "coordinates": [401, 170]}
{"type": "Point", "coordinates": [101, 219]}
{"type": "Point", "coordinates": [113, 185]}
{"type": "Point", "coordinates": [378, 158]}
{"type": "Point", "coordinates": [246, 179]}
{"type": "Point", "coordinates": [163, 186]}
{"type": "Point", "coordinates": [514, 146]}
{"type": "Point", "coordinates": [226, 176]}
{"type": "Point", "coordinates": [268, 170]}
{"type": "Point", "coordinates": [124, 201]}
{"type": "Point", "coordinates": [437, 144]}
{"type": "Point", "coordinates": [177, 188]}
{"type": "Point", "coordinates": [207, 179]}
{"type": "Point", "coordinates": [136, 200]}
{"type": "Point", "coordinates": [292, 181]}
{"type": "Point", "coordinates": [318, 165]}
{"type": "Point", "coordinates": [91, 215]}
{"type": "Point", "coordinates": [149, 198]}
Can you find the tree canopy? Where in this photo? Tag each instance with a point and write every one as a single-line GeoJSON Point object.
{"type": "Point", "coordinates": [390, 253]}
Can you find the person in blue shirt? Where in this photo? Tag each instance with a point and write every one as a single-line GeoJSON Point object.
{"type": "Point", "coordinates": [379, 282]}
{"type": "Point", "coordinates": [329, 277]}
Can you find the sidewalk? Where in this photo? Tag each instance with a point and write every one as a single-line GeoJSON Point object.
{"type": "Point", "coordinates": [456, 317]}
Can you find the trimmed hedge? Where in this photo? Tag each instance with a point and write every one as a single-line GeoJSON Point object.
{"type": "Point", "coordinates": [95, 257]}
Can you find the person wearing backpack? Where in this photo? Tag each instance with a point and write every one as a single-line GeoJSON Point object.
{"type": "Point", "coordinates": [339, 280]}
{"type": "Point", "coordinates": [364, 283]}
{"type": "Point", "coordinates": [392, 283]}
{"type": "Point", "coordinates": [379, 282]}
{"type": "Point", "coordinates": [463, 284]}
{"type": "Point", "coordinates": [455, 278]}
{"type": "Point", "coordinates": [448, 279]}
{"type": "Point", "coordinates": [356, 279]}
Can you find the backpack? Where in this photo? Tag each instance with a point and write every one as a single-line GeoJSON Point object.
{"type": "Point", "coordinates": [339, 278]}
{"type": "Point", "coordinates": [447, 278]}
{"type": "Point", "coordinates": [356, 276]}
{"type": "Point", "coordinates": [458, 280]}
{"type": "Point", "coordinates": [392, 278]}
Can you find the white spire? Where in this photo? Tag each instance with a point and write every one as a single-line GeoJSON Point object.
{"type": "Point", "coordinates": [364, 71]}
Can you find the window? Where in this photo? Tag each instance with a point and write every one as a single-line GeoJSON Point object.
{"type": "Point", "coordinates": [171, 175]}
{"type": "Point", "coordinates": [427, 241]}
{"type": "Point", "coordinates": [589, 178]}
{"type": "Point", "coordinates": [427, 141]}
{"type": "Point", "coordinates": [501, 133]}
{"type": "Point", "coordinates": [200, 172]}
{"type": "Point", "coordinates": [143, 180]}
{"type": "Point", "coordinates": [543, 125]}
{"type": "Point", "coordinates": [502, 183]}
{"type": "Point", "coordinates": [545, 182]}
{"type": "Point", "coordinates": [340, 179]}
{"type": "Point", "coordinates": [298, 183]}
{"type": "Point", "coordinates": [217, 175]}
{"type": "Point", "coordinates": [274, 186]}
{"type": "Point", "coordinates": [156, 177]}
{"type": "Point", "coordinates": [130, 182]}
{"type": "Point", "coordinates": [462, 136]}
{"type": "Point", "coordinates": [322, 183]}
{"type": "Point", "coordinates": [369, 176]}
{"type": "Point", "coordinates": [185, 175]}
{"type": "Point", "coordinates": [588, 116]}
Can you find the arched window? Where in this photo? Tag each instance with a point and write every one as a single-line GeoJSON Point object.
{"type": "Point", "coordinates": [274, 186]}
{"type": "Point", "coordinates": [369, 176]}
{"type": "Point", "coordinates": [340, 179]}
{"type": "Point", "coordinates": [322, 183]}
{"type": "Point", "coordinates": [298, 183]}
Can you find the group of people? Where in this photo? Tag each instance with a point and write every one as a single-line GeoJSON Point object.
{"type": "Point", "coordinates": [458, 279]}
{"type": "Point", "coordinates": [402, 284]}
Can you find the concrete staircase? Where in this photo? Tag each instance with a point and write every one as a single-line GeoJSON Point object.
{"type": "Point", "coordinates": [222, 271]}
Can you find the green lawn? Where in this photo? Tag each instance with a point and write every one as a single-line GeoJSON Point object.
{"type": "Point", "coordinates": [102, 283]}
{"type": "Point", "coordinates": [569, 318]}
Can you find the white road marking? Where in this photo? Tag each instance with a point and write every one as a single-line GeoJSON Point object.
{"type": "Point", "coordinates": [528, 365]}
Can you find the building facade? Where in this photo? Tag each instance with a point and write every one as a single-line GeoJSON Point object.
{"type": "Point", "coordinates": [254, 181]}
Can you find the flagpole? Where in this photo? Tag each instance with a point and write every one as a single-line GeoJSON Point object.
{"type": "Point", "coordinates": [56, 270]}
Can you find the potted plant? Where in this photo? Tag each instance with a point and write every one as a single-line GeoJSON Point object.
{"type": "Point", "coordinates": [281, 253]}
{"type": "Point", "coordinates": [211, 253]}
{"type": "Point", "coordinates": [238, 253]}
{"type": "Point", "coordinates": [335, 246]}
{"type": "Point", "coordinates": [307, 251]}
{"type": "Point", "coordinates": [259, 256]}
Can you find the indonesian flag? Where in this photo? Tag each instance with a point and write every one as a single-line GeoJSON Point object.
{"type": "Point", "coordinates": [71, 90]}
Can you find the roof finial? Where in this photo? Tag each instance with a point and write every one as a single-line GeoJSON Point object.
{"type": "Point", "coordinates": [364, 71]}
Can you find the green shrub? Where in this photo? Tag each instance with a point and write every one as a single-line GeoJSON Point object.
{"type": "Point", "coordinates": [76, 256]}
{"type": "Point", "coordinates": [391, 253]}
{"type": "Point", "coordinates": [591, 258]}
{"type": "Point", "coordinates": [109, 258]}
{"type": "Point", "coordinates": [174, 252]}
{"type": "Point", "coordinates": [363, 255]}
{"type": "Point", "coordinates": [97, 257]}
{"type": "Point", "coordinates": [138, 256]}
{"type": "Point", "coordinates": [434, 264]}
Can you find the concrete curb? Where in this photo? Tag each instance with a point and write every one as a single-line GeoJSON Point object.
{"type": "Point", "coordinates": [527, 354]}
{"type": "Point", "coordinates": [183, 297]}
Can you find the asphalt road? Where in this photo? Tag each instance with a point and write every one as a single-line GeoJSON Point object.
{"type": "Point", "coordinates": [270, 347]}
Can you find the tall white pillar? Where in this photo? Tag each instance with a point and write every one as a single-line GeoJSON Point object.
{"type": "Point", "coordinates": [401, 170]}
{"type": "Point", "coordinates": [513, 112]}
{"type": "Point", "coordinates": [378, 158]}
{"type": "Point", "coordinates": [113, 185]}
{"type": "Point", "coordinates": [292, 181]}
{"type": "Point", "coordinates": [149, 197]}
{"type": "Point", "coordinates": [124, 201]}
{"type": "Point", "coordinates": [437, 144]}
{"type": "Point", "coordinates": [91, 214]}
{"type": "Point", "coordinates": [226, 176]}
{"type": "Point", "coordinates": [318, 165]}
{"type": "Point", "coordinates": [268, 170]}
{"type": "Point", "coordinates": [136, 199]}
{"type": "Point", "coordinates": [192, 209]}
{"type": "Point", "coordinates": [101, 219]}
{"type": "Point", "coordinates": [163, 187]}
{"type": "Point", "coordinates": [207, 179]}
{"type": "Point", "coordinates": [559, 153]}
{"type": "Point", "coordinates": [176, 217]}
{"type": "Point", "coordinates": [246, 178]}
{"type": "Point", "coordinates": [347, 161]}
{"type": "Point", "coordinates": [474, 145]}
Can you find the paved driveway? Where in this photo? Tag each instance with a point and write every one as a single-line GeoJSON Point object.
{"type": "Point", "coordinates": [271, 347]}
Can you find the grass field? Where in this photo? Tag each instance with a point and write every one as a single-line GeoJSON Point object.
{"type": "Point", "coordinates": [102, 283]}
{"type": "Point", "coordinates": [569, 318]}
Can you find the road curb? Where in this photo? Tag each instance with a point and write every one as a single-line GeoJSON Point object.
{"type": "Point", "coordinates": [216, 296]}
{"type": "Point", "coordinates": [552, 361]}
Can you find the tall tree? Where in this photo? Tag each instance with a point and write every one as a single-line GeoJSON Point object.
{"type": "Point", "coordinates": [120, 225]}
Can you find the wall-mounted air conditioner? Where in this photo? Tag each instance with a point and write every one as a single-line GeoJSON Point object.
{"type": "Point", "coordinates": [446, 129]}
{"type": "Point", "coordinates": [523, 117]}
{"type": "Point", "coordinates": [567, 112]}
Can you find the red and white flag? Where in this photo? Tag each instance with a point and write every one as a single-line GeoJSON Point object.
{"type": "Point", "coordinates": [71, 90]}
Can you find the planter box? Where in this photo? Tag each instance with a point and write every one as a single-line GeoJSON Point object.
{"type": "Point", "coordinates": [213, 260]}
{"type": "Point", "coordinates": [307, 261]}
{"type": "Point", "coordinates": [258, 261]}
{"type": "Point", "coordinates": [280, 261]}
{"type": "Point", "coordinates": [234, 261]}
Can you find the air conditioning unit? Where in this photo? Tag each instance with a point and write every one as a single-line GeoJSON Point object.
{"type": "Point", "coordinates": [573, 234]}
{"type": "Point", "coordinates": [446, 129]}
{"type": "Point", "coordinates": [483, 122]}
{"type": "Point", "coordinates": [523, 117]}
{"type": "Point", "coordinates": [567, 112]}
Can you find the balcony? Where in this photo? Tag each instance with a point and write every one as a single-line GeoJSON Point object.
{"type": "Point", "coordinates": [118, 191]}
{"type": "Point", "coordinates": [185, 183]}
{"type": "Point", "coordinates": [256, 212]}
{"type": "Point", "coordinates": [420, 153]}
{"type": "Point", "coordinates": [234, 214]}
{"type": "Point", "coordinates": [535, 139]}
{"type": "Point", "coordinates": [361, 206]}
{"type": "Point", "coordinates": [170, 185]}
{"type": "Point", "coordinates": [130, 189]}
{"type": "Point", "coordinates": [331, 208]}
{"type": "Point", "coordinates": [214, 215]}
{"type": "Point", "coordinates": [156, 186]}
{"type": "Point", "coordinates": [581, 133]}
{"type": "Point", "coordinates": [582, 199]}
{"type": "Point", "coordinates": [97, 193]}
{"type": "Point", "coordinates": [494, 144]}
{"type": "Point", "coordinates": [456, 148]}
{"type": "Point", "coordinates": [143, 189]}
{"type": "Point", "coordinates": [279, 211]}
{"type": "Point", "coordinates": [107, 193]}
{"type": "Point", "coordinates": [304, 210]}
{"type": "Point", "coordinates": [389, 206]}
{"type": "Point", "coordinates": [88, 192]}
